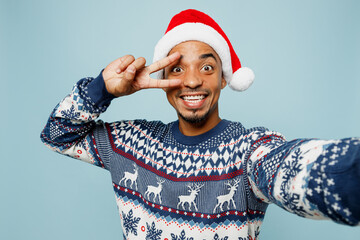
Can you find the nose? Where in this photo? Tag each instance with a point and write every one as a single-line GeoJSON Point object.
{"type": "Point", "coordinates": [192, 79]}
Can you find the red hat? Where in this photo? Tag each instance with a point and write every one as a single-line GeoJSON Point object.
{"type": "Point", "coordinates": [195, 25]}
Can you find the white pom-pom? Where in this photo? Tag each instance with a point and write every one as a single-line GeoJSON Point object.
{"type": "Point", "coordinates": [242, 79]}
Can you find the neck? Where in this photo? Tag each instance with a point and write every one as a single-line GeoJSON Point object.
{"type": "Point", "coordinates": [194, 129]}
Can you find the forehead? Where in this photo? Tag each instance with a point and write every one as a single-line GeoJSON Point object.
{"type": "Point", "coordinates": [194, 48]}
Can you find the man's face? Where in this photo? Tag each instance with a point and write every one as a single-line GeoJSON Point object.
{"type": "Point", "coordinates": [199, 68]}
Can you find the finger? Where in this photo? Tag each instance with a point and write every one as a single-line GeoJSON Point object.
{"type": "Point", "coordinates": [125, 61]}
{"type": "Point", "coordinates": [163, 83]}
{"type": "Point", "coordinates": [130, 73]}
{"type": "Point", "coordinates": [163, 63]}
{"type": "Point", "coordinates": [133, 67]}
{"type": "Point", "coordinates": [139, 63]}
{"type": "Point", "coordinates": [118, 63]}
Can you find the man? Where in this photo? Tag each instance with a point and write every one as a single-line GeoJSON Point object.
{"type": "Point", "coordinates": [200, 177]}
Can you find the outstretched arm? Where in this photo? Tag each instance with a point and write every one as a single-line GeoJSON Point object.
{"type": "Point", "coordinates": [69, 129]}
{"type": "Point", "coordinates": [309, 177]}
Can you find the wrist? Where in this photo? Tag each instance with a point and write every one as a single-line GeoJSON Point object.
{"type": "Point", "coordinates": [98, 93]}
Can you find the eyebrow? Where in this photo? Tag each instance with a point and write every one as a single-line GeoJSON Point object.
{"type": "Point", "coordinates": [207, 55]}
{"type": "Point", "coordinates": [202, 56]}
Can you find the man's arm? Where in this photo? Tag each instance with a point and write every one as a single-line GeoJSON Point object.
{"type": "Point", "coordinates": [69, 129]}
{"type": "Point", "coordinates": [309, 177]}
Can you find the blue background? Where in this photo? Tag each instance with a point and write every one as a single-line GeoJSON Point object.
{"type": "Point", "coordinates": [305, 54]}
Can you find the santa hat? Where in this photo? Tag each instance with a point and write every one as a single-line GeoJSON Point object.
{"type": "Point", "coordinates": [195, 25]}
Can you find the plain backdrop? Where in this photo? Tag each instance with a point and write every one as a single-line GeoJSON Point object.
{"type": "Point", "coordinates": [305, 55]}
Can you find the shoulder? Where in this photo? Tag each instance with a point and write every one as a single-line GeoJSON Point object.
{"type": "Point", "coordinates": [129, 128]}
{"type": "Point", "coordinates": [237, 131]}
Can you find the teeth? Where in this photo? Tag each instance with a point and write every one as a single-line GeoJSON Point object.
{"type": "Point", "coordinates": [194, 98]}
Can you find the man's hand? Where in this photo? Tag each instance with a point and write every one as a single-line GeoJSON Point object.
{"type": "Point", "coordinates": [126, 75]}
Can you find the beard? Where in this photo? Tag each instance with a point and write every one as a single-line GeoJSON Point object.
{"type": "Point", "coordinates": [195, 119]}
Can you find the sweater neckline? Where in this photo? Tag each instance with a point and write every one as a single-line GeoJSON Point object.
{"type": "Point", "coordinates": [193, 140]}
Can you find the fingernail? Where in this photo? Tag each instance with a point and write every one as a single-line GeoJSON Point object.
{"type": "Point", "coordinates": [118, 71]}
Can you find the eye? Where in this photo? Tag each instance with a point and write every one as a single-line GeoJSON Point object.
{"type": "Point", "coordinates": [207, 68]}
{"type": "Point", "coordinates": [176, 69]}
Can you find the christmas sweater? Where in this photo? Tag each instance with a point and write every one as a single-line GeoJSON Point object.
{"type": "Point", "coordinates": [213, 186]}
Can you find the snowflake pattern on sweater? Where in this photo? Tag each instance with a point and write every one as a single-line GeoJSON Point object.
{"type": "Point", "coordinates": [213, 186]}
{"type": "Point", "coordinates": [130, 222]}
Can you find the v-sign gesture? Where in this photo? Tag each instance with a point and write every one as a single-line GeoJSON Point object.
{"type": "Point", "coordinates": [126, 75]}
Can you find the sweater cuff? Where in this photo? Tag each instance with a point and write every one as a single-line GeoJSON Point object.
{"type": "Point", "coordinates": [97, 92]}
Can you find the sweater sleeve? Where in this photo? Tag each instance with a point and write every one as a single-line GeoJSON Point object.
{"type": "Point", "coordinates": [309, 177]}
{"type": "Point", "coordinates": [70, 127]}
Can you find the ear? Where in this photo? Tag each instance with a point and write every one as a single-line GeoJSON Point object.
{"type": "Point", "coordinates": [223, 82]}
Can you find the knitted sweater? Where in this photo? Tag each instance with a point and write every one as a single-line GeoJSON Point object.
{"type": "Point", "coordinates": [213, 186]}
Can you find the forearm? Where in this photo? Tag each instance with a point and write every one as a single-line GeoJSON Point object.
{"type": "Point", "coordinates": [295, 175]}
{"type": "Point", "coordinates": [70, 125]}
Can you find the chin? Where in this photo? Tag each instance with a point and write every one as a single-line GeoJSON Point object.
{"type": "Point", "coordinates": [194, 118]}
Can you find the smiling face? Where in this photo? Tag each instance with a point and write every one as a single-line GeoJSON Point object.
{"type": "Point", "coordinates": [199, 68]}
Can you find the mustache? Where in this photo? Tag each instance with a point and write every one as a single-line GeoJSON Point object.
{"type": "Point", "coordinates": [195, 90]}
